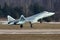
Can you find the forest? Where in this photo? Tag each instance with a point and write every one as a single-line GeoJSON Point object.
{"type": "Point", "coordinates": [16, 12]}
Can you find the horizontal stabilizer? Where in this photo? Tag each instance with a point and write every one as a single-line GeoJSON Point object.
{"type": "Point", "coordinates": [10, 18]}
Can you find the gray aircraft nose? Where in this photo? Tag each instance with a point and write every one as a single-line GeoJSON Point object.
{"type": "Point", "coordinates": [52, 13]}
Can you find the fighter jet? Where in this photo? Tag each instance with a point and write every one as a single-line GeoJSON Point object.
{"type": "Point", "coordinates": [31, 19]}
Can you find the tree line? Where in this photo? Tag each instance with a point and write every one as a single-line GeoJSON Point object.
{"type": "Point", "coordinates": [15, 12]}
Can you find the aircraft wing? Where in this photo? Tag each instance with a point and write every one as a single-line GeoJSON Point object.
{"type": "Point", "coordinates": [31, 19]}
{"type": "Point", "coordinates": [42, 15]}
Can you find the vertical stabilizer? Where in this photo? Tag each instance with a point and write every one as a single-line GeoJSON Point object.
{"type": "Point", "coordinates": [22, 18]}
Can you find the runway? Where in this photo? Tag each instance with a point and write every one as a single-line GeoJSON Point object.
{"type": "Point", "coordinates": [52, 22]}
{"type": "Point", "coordinates": [6, 22]}
{"type": "Point", "coordinates": [31, 31]}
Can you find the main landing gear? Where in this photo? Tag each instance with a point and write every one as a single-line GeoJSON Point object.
{"type": "Point", "coordinates": [21, 26]}
{"type": "Point", "coordinates": [30, 24]}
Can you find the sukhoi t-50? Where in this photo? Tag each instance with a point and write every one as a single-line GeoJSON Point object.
{"type": "Point", "coordinates": [31, 19]}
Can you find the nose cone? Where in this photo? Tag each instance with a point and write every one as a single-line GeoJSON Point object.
{"type": "Point", "coordinates": [52, 13]}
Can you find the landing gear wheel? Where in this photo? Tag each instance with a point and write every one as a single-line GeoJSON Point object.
{"type": "Point", "coordinates": [40, 20]}
{"type": "Point", "coordinates": [30, 24]}
{"type": "Point", "coordinates": [21, 25]}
